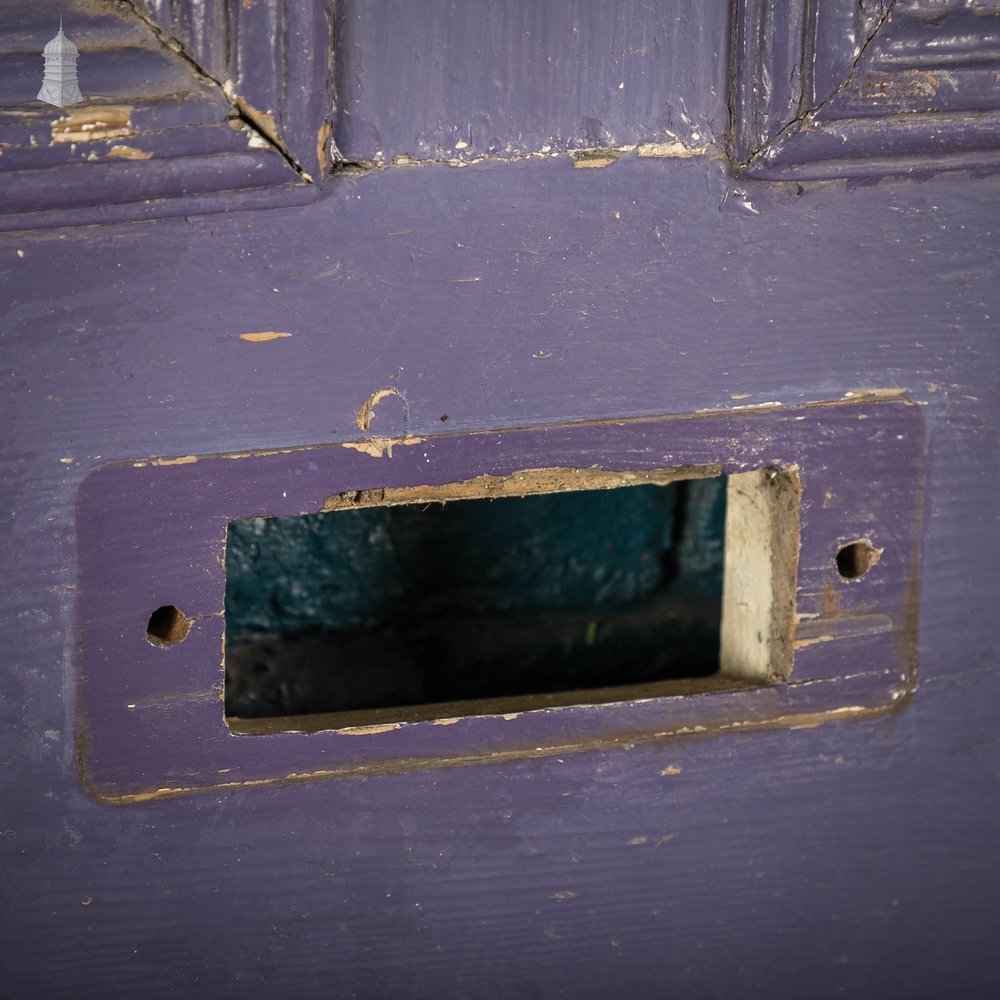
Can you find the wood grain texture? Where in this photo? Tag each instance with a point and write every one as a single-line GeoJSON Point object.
{"type": "Point", "coordinates": [201, 27]}
{"type": "Point", "coordinates": [857, 858]}
{"type": "Point", "coordinates": [442, 81]}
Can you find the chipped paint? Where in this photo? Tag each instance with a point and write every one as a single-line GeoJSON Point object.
{"type": "Point", "coordinates": [798, 644]}
{"type": "Point", "coordinates": [524, 482]}
{"type": "Point", "coordinates": [263, 337]}
{"type": "Point", "coordinates": [182, 460]}
{"type": "Point", "coordinates": [673, 149]}
{"type": "Point", "coordinates": [366, 413]}
{"type": "Point", "coordinates": [670, 770]}
{"type": "Point", "coordinates": [387, 727]}
{"type": "Point", "coordinates": [813, 721]}
{"type": "Point", "coordinates": [90, 124]}
{"type": "Point", "coordinates": [594, 158]}
{"type": "Point", "coordinates": [128, 153]}
{"type": "Point", "coordinates": [322, 140]}
{"type": "Point", "coordinates": [381, 447]}
{"type": "Point", "coordinates": [748, 406]}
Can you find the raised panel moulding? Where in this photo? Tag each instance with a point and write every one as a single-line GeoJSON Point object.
{"type": "Point", "coordinates": [172, 114]}
{"type": "Point", "coordinates": [843, 89]}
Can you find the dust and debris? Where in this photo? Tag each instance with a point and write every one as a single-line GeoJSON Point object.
{"type": "Point", "coordinates": [262, 121]}
{"type": "Point", "coordinates": [20, 253]}
{"type": "Point", "coordinates": [563, 895]}
{"type": "Point", "coordinates": [67, 461]}
{"type": "Point", "coordinates": [669, 770]}
{"type": "Point", "coordinates": [636, 841]}
{"type": "Point", "coordinates": [254, 139]}
{"type": "Point", "coordinates": [263, 336]}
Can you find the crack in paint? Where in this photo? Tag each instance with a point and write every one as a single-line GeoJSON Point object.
{"type": "Point", "coordinates": [805, 117]}
{"type": "Point", "coordinates": [259, 122]}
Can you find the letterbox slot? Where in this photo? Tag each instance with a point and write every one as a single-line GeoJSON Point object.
{"type": "Point", "coordinates": [479, 604]}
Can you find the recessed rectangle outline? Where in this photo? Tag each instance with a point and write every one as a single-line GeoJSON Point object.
{"type": "Point", "coordinates": [831, 680]}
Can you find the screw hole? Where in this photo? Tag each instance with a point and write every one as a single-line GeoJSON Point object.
{"type": "Point", "coordinates": [856, 558]}
{"type": "Point", "coordinates": [167, 626]}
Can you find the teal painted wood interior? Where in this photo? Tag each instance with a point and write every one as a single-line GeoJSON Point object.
{"type": "Point", "coordinates": [385, 606]}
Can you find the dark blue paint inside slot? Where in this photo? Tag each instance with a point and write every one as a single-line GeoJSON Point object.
{"type": "Point", "coordinates": [382, 607]}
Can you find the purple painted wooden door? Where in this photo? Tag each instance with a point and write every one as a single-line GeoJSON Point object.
{"type": "Point", "coordinates": [635, 236]}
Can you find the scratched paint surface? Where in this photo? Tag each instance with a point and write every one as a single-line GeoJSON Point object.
{"type": "Point", "coordinates": [509, 79]}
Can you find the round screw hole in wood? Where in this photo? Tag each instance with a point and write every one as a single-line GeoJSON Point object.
{"type": "Point", "coordinates": [855, 559]}
{"type": "Point", "coordinates": [167, 626]}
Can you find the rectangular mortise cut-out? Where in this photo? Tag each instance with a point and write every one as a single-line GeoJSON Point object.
{"type": "Point", "coordinates": [149, 633]}
{"type": "Point", "coordinates": [505, 594]}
